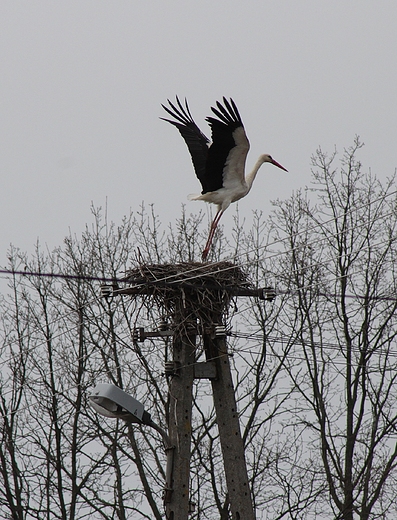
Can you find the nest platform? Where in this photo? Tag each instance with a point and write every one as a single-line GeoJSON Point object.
{"type": "Point", "coordinates": [202, 289]}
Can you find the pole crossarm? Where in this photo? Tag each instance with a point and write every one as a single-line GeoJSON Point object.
{"type": "Point", "coordinates": [263, 293]}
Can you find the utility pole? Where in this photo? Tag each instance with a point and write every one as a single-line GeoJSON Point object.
{"type": "Point", "coordinates": [181, 371]}
{"type": "Point", "coordinates": [197, 305]}
{"type": "Point", "coordinates": [229, 429]}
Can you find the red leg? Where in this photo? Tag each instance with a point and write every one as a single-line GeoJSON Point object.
{"type": "Point", "coordinates": [214, 225]}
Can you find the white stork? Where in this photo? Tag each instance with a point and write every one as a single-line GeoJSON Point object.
{"type": "Point", "coordinates": [220, 165]}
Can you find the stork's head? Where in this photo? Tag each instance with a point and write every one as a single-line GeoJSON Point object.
{"type": "Point", "coordinates": [268, 158]}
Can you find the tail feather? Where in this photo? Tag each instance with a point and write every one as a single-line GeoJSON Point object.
{"type": "Point", "coordinates": [194, 196]}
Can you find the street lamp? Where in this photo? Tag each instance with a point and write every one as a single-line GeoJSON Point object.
{"type": "Point", "coordinates": [110, 401]}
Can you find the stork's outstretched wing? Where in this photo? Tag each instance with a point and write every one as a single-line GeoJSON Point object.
{"type": "Point", "coordinates": [196, 141]}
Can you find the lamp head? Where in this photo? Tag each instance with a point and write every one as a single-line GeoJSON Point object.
{"type": "Point", "coordinates": [110, 401]}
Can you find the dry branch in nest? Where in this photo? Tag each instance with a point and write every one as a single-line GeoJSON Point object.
{"type": "Point", "coordinates": [191, 290]}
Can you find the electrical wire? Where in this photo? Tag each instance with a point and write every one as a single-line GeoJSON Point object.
{"type": "Point", "coordinates": [279, 292]}
{"type": "Point", "coordinates": [279, 253]}
{"type": "Point", "coordinates": [281, 338]}
{"type": "Point", "coordinates": [165, 281]}
{"type": "Point", "coordinates": [327, 295]}
{"type": "Point", "coordinates": [199, 268]}
{"type": "Point", "coordinates": [285, 339]}
{"type": "Point", "coordinates": [308, 230]}
{"type": "Point", "coordinates": [275, 339]}
{"type": "Point", "coordinates": [239, 351]}
{"type": "Point", "coordinates": [84, 358]}
{"type": "Point", "coordinates": [115, 280]}
{"type": "Point", "coordinates": [317, 264]}
{"type": "Point", "coordinates": [50, 323]}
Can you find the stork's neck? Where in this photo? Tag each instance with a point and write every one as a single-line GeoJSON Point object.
{"type": "Point", "coordinates": [249, 179]}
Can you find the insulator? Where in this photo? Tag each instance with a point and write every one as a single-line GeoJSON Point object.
{"type": "Point", "coordinates": [220, 331]}
{"type": "Point", "coordinates": [162, 325]}
{"type": "Point", "coordinates": [268, 294]}
{"type": "Point", "coordinates": [138, 334]}
{"type": "Point", "coordinates": [171, 368]}
{"type": "Point", "coordinates": [106, 291]}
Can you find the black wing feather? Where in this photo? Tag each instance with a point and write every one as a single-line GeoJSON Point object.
{"type": "Point", "coordinates": [209, 163]}
{"type": "Point", "coordinates": [196, 141]}
{"type": "Point", "coordinates": [234, 110]}
{"type": "Point", "coordinates": [222, 141]}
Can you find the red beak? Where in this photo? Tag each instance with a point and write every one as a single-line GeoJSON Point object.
{"type": "Point", "coordinates": [279, 165]}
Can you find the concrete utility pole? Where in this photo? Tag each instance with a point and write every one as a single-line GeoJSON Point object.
{"type": "Point", "coordinates": [229, 430]}
{"type": "Point", "coordinates": [197, 305]}
{"type": "Point", "coordinates": [177, 503]}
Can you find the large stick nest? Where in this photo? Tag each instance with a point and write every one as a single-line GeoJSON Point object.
{"type": "Point", "coordinates": [203, 290]}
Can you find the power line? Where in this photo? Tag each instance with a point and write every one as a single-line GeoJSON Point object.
{"type": "Point", "coordinates": [332, 219]}
{"type": "Point", "coordinates": [280, 338]}
{"type": "Point", "coordinates": [282, 240]}
{"type": "Point", "coordinates": [62, 276]}
{"type": "Point", "coordinates": [284, 339]}
{"type": "Point", "coordinates": [194, 269]}
{"type": "Point", "coordinates": [167, 281]}
{"type": "Point", "coordinates": [181, 283]}
{"type": "Point", "coordinates": [285, 292]}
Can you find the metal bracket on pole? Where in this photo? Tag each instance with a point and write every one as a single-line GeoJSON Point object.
{"type": "Point", "coordinates": [139, 334]}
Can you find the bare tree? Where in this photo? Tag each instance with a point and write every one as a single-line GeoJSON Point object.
{"type": "Point", "coordinates": [338, 266]}
{"type": "Point", "coordinates": [314, 371]}
{"type": "Point", "coordinates": [60, 337]}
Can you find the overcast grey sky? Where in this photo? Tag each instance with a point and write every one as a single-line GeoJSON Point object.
{"type": "Point", "coordinates": [81, 84]}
